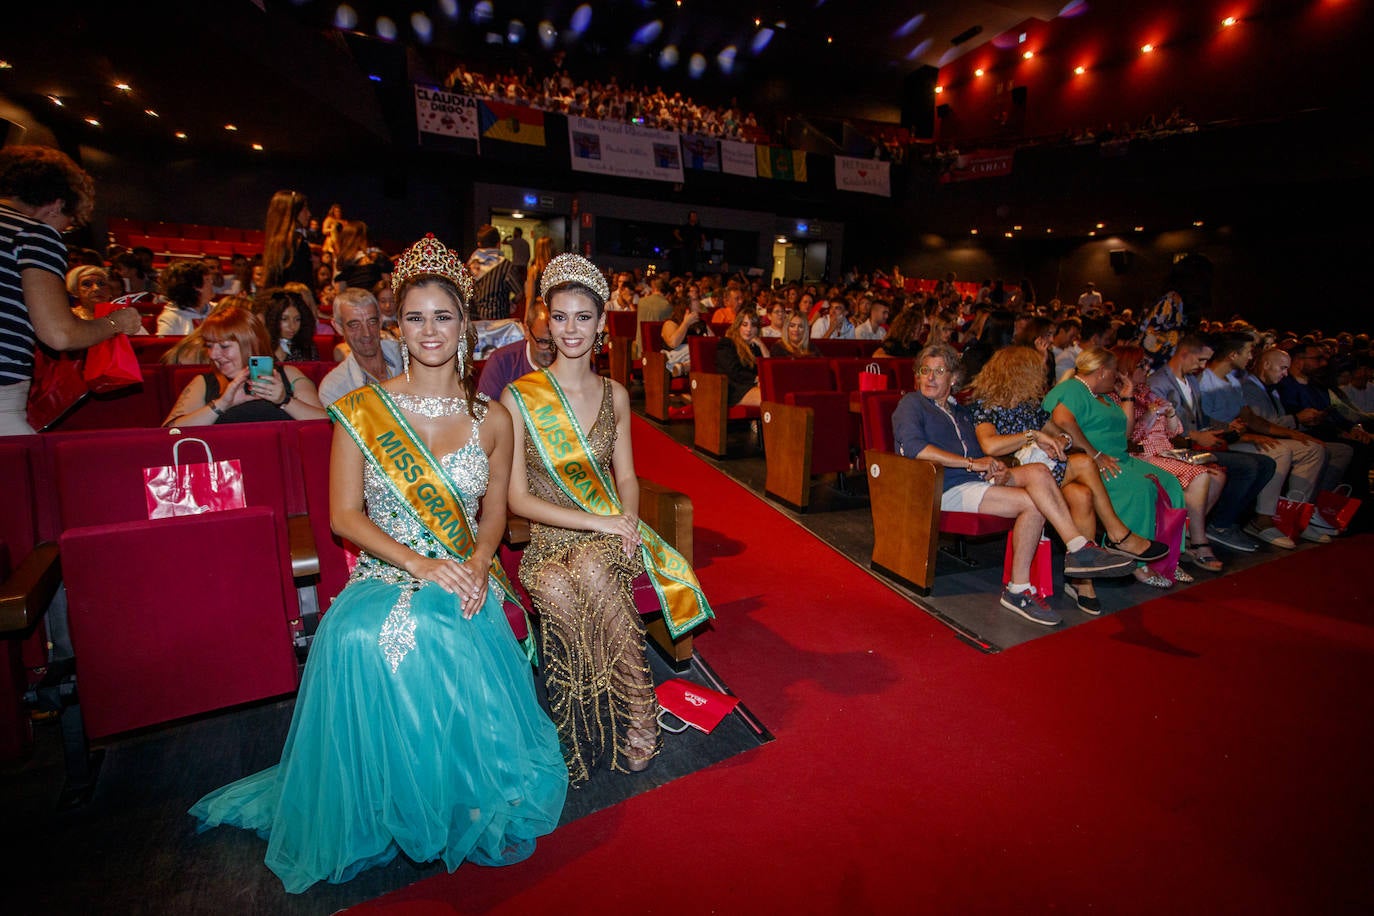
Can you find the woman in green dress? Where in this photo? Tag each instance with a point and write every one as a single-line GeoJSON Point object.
{"type": "Point", "coordinates": [1090, 406]}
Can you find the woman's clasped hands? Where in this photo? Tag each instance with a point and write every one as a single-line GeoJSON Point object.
{"type": "Point", "coordinates": [625, 527]}
{"type": "Point", "coordinates": [468, 581]}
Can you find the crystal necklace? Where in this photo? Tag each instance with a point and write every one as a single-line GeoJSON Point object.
{"type": "Point", "coordinates": [431, 407]}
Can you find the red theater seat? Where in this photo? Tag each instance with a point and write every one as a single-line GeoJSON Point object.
{"type": "Point", "coordinates": [171, 617]}
{"type": "Point", "coordinates": [711, 411]}
{"type": "Point", "coordinates": [904, 499]}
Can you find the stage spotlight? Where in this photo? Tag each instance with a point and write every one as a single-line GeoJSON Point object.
{"type": "Point", "coordinates": [726, 59]}
{"type": "Point", "coordinates": [696, 66]}
{"type": "Point", "coordinates": [760, 40]}
{"type": "Point", "coordinates": [422, 27]}
{"type": "Point", "coordinates": [386, 28]}
{"type": "Point", "coordinates": [979, 72]}
{"type": "Point", "coordinates": [646, 34]}
{"type": "Point", "coordinates": [482, 12]}
{"type": "Point", "coordinates": [1147, 48]}
{"type": "Point", "coordinates": [548, 35]}
{"type": "Point", "coordinates": [668, 57]}
{"type": "Point", "coordinates": [515, 32]}
{"type": "Point", "coordinates": [449, 8]}
{"type": "Point", "coordinates": [920, 49]}
{"type": "Point", "coordinates": [911, 25]}
{"type": "Point", "coordinates": [581, 19]}
{"type": "Point", "coordinates": [345, 18]}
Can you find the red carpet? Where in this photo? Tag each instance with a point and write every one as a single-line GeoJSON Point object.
{"type": "Point", "coordinates": [1209, 752]}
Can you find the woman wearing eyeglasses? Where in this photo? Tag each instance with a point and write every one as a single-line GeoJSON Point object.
{"type": "Point", "coordinates": [929, 424]}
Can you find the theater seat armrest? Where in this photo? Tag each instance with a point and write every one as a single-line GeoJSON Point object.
{"type": "Point", "coordinates": [517, 531]}
{"type": "Point", "coordinates": [26, 594]}
{"type": "Point", "coordinates": [305, 557]}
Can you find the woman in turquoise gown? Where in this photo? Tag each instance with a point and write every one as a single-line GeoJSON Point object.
{"type": "Point", "coordinates": [416, 729]}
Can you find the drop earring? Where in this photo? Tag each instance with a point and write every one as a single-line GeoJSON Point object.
{"type": "Point", "coordinates": [405, 360]}
{"type": "Point", "coordinates": [463, 360]}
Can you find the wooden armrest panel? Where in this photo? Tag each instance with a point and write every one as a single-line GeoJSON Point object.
{"type": "Point", "coordinates": [656, 382]}
{"type": "Point", "coordinates": [670, 514]}
{"type": "Point", "coordinates": [904, 498]}
{"type": "Point", "coordinates": [26, 594]}
{"type": "Point", "coordinates": [710, 393]}
{"type": "Point", "coordinates": [787, 432]}
{"type": "Point", "coordinates": [517, 531]}
{"type": "Point", "coordinates": [619, 348]}
{"type": "Point", "coordinates": [305, 557]}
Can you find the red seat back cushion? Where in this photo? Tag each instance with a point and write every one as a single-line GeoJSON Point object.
{"type": "Point", "coordinates": [176, 617]}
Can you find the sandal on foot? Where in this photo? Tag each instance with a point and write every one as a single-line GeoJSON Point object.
{"type": "Point", "coordinates": [1088, 604]}
{"type": "Point", "coordinates": [1145, 576]}
{"type": "Point", "coordinates": [1156, 551]}
{"type": "Point", "coordinates": [1183, 577]}
{"type": "Point", "coordinates": [1201, 556]}
{"type": "Point", "coordinates": [641, 744]}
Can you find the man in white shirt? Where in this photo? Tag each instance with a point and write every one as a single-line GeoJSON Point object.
{"type": "Point", "coordinates": [358, 319]}
{"type": "Point", "coordinates": [1091, 298]}
{"type": "Point", "coordinates": [834, 324]}
{"type": "Point", "coordinates": [875, 328]}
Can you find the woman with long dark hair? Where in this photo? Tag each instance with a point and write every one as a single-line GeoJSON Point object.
{"type": "Point", "coordinates": [285, 252]}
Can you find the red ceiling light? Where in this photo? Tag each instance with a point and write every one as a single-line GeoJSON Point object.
{"type": "Point", "coordinates": [978, 72]}
{"type": "Point", "coordinates": [1028, 55]}
{"type": "Point", "coordinates": [1147, 48]}
{"type": "Point", "coordinates": [1229, 21]}
{"type": "Point", "coordinates": [1079, 71]}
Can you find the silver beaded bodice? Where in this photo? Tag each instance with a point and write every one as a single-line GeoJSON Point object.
{"type": "Point", "coordinates": [469, 471]}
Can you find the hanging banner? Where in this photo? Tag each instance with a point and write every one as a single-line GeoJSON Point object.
{"type": "Point", "coordinates": [780, 163]}
{"type": "Point", "coordinates": [979, 164]}
{"type": "Point", "coordinates": [700, 152]}
{"type": "Point", "coordinates": [511, 123]}
{"type": "Point", "coordinates": [612, 148]}
{"type": "Point", "coordinates": [445, 113]}
{"type": "Point", "coordinates": [738, 159]}
{"type": "Point", "coordinates": [864, 176]}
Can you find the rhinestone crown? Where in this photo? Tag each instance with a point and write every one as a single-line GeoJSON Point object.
{"type": "Point", "coordinates": [429, 256]}
{"type": "Point", "coordinates": [573, 268]}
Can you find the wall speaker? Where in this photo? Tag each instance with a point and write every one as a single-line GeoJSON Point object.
{"type": "Point", "coordinates": [918, 102]}
{"type": "Point", "coordinates": [942, 111]}
{"type": "Point", "coordinates": [1121, 259]}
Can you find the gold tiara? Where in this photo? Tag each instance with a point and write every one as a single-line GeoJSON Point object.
{"type": "Point", "coordinates": [429, 257]}
{"type": "Point", "coordinates": [573, 268]}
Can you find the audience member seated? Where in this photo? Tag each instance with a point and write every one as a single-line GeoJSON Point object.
{"type": "Point", "coordinates": [929, 424]}
{"type": "Point", "coordinates": [1095, 406]}
{"type": "Point", "coordinates": [776, 315]}
{"type": "Point", "coordinates": [874, 327]}
{"type": "Point", "coordinates": [1261, 397]}
{"type": "Point", "coordinates": [1297, 464]}
{"type": "Point", "coordinates": [1010, 421]}
{"type": "Point", "coordinates": [369, 357]}
{"type": "Point", "coordinates": [290, 325]}
{"type": "Point", "coordinates": [1246, 474]}
{"type": "Point", "coordinates": [737, 358]}
{"type": "Point", "coordinates": [686, 321]}
{"type": "Point", "coordinates": [227, 395]}
{"type": "Point", "coordinates": [903, 334]}
{"type": "Point", "coordinates": [188, 287]}
{"type": "Point", "coordinates": [522, 357]}
{"type": "Point", "coordinates": [1156, 426]}
{"type": "Point", "coordinates": [795, 342]}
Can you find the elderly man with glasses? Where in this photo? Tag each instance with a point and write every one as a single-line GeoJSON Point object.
{"type": "Point", "coordinates": [929, 424]}
{"type": "Point", "coordinates": [513, 360]}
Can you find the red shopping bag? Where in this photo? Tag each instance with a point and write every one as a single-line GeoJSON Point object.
{"type": "Point", "coordinates": [1042, 569]}
{"type": "Point", "coordinates": [699, 707]}
{"type": "Point", "coordinates": [192, 489]}
{"type": "Point", "coordinates": [1292, 517]}
{"type": "Point", "coordinates": [112, 364]}
{"type": "Point", "coordinates": [1338, 507]}
{"type": "Point", "coordinates": [1170, 523]}
{"type": "Point", "coordinates": [873, 378]}
{"type": "Point", "coordinates": [58, 387]}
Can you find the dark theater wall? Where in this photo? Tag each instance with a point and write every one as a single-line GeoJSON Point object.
{"type": "Point", "coordinates": [1280, 57]}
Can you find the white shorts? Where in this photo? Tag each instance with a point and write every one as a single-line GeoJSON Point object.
{"type": "Point", "coordinates": [966, 497]}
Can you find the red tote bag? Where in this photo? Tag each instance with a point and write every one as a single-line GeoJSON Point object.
{"type": "Point", "coordinates": [1170, 523]}
{"type": "Point", "coordinates": [193, 489]}
{"type": "Point", "coordinates": [1338, 507]}
{"type": "Point", "coordinates": [112, 364]}
{"type": "Point", "coordinates": [698, 707]}
{"type": "Point", "coordinates": [1042, 569]}
{"type": "Point", "coordinates": [873, 378]}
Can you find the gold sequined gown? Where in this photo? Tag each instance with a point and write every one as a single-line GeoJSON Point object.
{"type": "Point", "coordinates": [598, 681]}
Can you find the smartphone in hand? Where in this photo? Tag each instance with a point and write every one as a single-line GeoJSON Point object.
{"type": "Point", "coordinates": [259, 367]}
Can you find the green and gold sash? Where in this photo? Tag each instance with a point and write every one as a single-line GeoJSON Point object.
{"type": "Point", "coordinates": [559, 440]}
{"type": "Point", "coordinates": [419, 480]}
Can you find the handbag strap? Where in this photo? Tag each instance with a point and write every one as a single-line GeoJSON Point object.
{"type": "Point", "coordinates": [176, 449]}
{"type": "Point", "coordinates": [1159, 487]}
{"type": "Point", "coordinates": [874, 368]}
